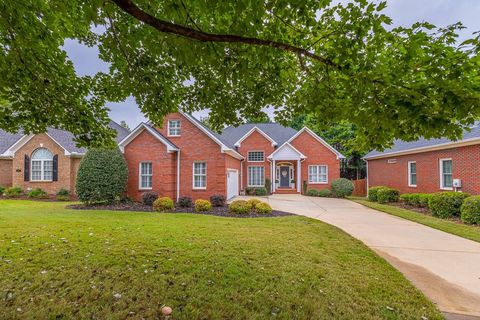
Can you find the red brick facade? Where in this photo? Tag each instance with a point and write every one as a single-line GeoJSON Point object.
{"type": "Point", "coordinates": [465, 166]}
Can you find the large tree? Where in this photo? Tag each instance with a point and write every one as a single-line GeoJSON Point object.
{"type": "Point", "coordinates": [334, 62]}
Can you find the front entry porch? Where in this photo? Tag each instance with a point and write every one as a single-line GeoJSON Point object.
{"type": "Point", "coordinates": [286, 169]}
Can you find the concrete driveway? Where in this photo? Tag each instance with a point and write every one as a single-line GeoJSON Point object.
{"type": "Point", "coordinates": [445, 267]}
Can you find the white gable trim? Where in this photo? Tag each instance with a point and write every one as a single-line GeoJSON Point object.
{"type": "Point", "coordinates": [239, 142]}
{"type": "Point", "coordinates": [223, 147]}
{"type": "Point", "coordinates": [10, 152]}
{"type": "Point", "coordinates": [319, 139]}
{"type": "Point", "coordinates": [139, 129]}
{"type": "Point", "coordinates": [286, 144]}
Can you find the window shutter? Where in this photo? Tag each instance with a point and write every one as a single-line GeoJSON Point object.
{"type": "Point", "coordinates": [26, 168]}
{"type": "Point", "coordinates": [55, 168]}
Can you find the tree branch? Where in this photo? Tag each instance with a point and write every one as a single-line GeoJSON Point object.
{"type": "Point", "coordinates": [131, 8]}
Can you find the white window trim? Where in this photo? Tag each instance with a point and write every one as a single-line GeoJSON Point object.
{"type": "Point", "coordinates": [193, 176]}
{"type": "Point", "coordinates": [140, 176]}
{"type": "Point", "coordinates": [248, 156]}
{"type": "Point", "coordinates": [410, 184]}
{"type": "Point", "coordinates": [441, 173]}
{"type": "Point", "coordinates": [42, 167]}
{"type": "Point", "coordinates": [248, 177]}
{"type": "Point", "coordinates": [317, 165]}
{"type": "Point", "coordinates": [179, 128]}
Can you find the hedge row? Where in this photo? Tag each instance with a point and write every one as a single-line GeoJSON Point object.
{"type": "Point", "coordinates": [441, 204]}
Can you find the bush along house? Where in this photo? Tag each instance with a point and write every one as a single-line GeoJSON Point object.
{"type": "Point", "coordinates": [184, 158]}
{"type": "Point", "coordinates": [427, 166]}
{"type": "Point", "coordinates": [48, 161]}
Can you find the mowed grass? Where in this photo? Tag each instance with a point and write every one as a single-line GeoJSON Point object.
{"type": "Point", "coordinates": [471, 232]}
{"type": "Point", "coordinates": [62, 264]}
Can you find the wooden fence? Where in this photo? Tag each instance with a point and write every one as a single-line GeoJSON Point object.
{"type": "Point", "coordinates": [360, 188]}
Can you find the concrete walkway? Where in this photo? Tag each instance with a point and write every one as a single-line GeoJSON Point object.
{"type": "Point", "coordinates": [445, 267]}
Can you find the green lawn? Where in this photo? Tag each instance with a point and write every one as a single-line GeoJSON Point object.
{"type": "Point", "coordinates": [57, 263]}
{"type": "Point", "coordinates": [462, 230]}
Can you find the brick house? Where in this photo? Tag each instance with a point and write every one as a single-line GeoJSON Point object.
{"type": "Point", "coordinates": [428, 166]}
{"type": "Point", "coordinates": [48, 161]}
{"type": "Point", "coordinates": [185, 158]}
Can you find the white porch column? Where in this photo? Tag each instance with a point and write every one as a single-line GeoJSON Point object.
{"type": "Point", "coordinates": [299, 176]}
{"type": "Point", "coordinates": [273, 174]}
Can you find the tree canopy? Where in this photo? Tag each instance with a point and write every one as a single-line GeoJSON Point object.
{"type": "Point", "coordinates": [335, 62]}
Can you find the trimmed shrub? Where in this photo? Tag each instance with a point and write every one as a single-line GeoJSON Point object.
{"type": "Point", "coordinates": [372, 193]}
{"type": "Point", "coordinates": [240, 207]}
{"type": "Point", "coordinates": [250, 191]}
{"type": "Point", "coordinates": [423, 199]}
{"type": "Point", "coordinates": [202, 205]}
{"type": "Point", "coordinates": [263, 208]}
{"type": "Point", "coordinates": [312, 192]}
{"type": "Point", "coordinates": [446, 204]}
{"type": "Point", "coordinates": [163, 204]}
{"type": "Point", "coordinates": [470, 210]}
{"type": "Point", "coordinates": [37, 193]}
{"type": "Point", "coordinates": [63, 192]}
{"type": "Point", "coordinates": [148, 198]}
{"type": "Point", "coordinates": [13, 192]}
{"type": "Point", "coordinates": [2, 190]}
{"type": "Point", "coordinates": [260, 191]}
{"type": "Point", "coordinates": [386, 195]}
{"type": "Point", "coordinates": [102, 176]}
{"type": "Point", "coordinates": [185, 202]}
{"type": "Point", "coordinates": [324, 193]}
{"type": "Point", "coordinates": [217, 200]}
{"type": "Point", "coordinates": [416, 199]}
{"type": "Point", "coordinates": [268, 186]}
{"type": "Point", "coordinates": [342, 187]}
{"type": "Point", "coordinates": [253, 202]}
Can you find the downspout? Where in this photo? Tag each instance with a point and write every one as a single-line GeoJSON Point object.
{"type": "Point", "coordinates": [241, 174]}
{"type": "Point", "coordinates": [178, 175]}
{"type": "Point", "coordinates": [366, 171]}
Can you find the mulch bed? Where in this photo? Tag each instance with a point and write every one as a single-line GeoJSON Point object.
{"type": "Point", "coordinates": [216, 211]}
{"type": "Point", "coordinates": [411, 208]}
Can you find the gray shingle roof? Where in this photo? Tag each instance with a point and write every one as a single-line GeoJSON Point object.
{"type": "Point", "coordinates": [62, 137]}
{"type": "Point", "coordinates": [402, 146]}
{"type": "Point", "coordinates": [275, 131]}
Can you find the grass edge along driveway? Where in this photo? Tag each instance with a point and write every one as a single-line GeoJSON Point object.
{"type": "Point", "coordinates": [462, 230]}
{"type": "Point", "coordinates": [59, 263]}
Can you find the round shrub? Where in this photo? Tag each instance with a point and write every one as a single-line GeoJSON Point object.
{"type": "Point", "coordinates": [470, 210]}
{"type": "Point", "coordinates": [203, 205]}
{"type": "Point", "coordinates": [263, 208]}
{"type": "Point", "coordinates": [260, 191]}
{"type": "Point", "coordinates": [163, 204]}
{"type": "Point", "coordinates": [13, 192]}
{"type": "Point", "coordinates": [185, 202]}
{"type": "Point", "coordinates": [446, 204]}
{"type": "Point", "coordinates": [312, 192]}
{"type": "Point", "coordinates": [386, 195]}
{"type": "Point", "coordinates": [63, 192]}
{"type": "Point", "coordinates": [372, 193]}
{"type": "Point", "coordinates": [102, 176]}
{"type": "Point", "coordinates": [240, 207]}
{"type": "Point", "coordinates": [253, 202]}
{"type": "Point", "coordinates": [342, 187]}
{"type": "Point", "coordinates": [217, 200]}
{"type": "Point", "coordinates": [148, 198]}
{"type": "Point", "coordinates": [37, 193]}
{"type": "Point", "coordinates": [324, 193]}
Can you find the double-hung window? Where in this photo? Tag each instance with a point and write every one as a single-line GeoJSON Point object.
{"type": "Point", "coordinates": [317, 174]}
{"type": "Point", "coordinates": [199, 175]}
{"type": "Point", "coordinates": [174, 128]}
{"type": "Point", "coordinates": [256, 156]}
{"type": "Point", "coordinates": [42, 165]}
{"type": "Point", "coordinates": [146, 174]}
{"type": "Point", "coordinates": [446, 174]}
{"type": "Point", "coordinates": [412, 174]}
{"type": "Point", "coordinates": [256, 176]}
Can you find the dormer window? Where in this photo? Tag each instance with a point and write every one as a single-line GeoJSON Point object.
{"type": "Point", "coordinates": [173, 128]}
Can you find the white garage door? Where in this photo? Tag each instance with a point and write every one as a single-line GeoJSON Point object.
{"type": "Point", "coordinates": [232, 183]}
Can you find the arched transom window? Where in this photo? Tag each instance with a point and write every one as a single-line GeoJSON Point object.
{"type": "Point", "coordinates": [42, 165]}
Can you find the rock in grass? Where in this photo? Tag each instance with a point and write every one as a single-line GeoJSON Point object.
{"type": "Point", "coordinates": [166, 311]}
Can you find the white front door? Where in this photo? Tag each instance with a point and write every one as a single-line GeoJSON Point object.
{"type": "Point", "coordinates": [232, 183]}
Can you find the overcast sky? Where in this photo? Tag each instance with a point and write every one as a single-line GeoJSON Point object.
{"type": "Point", "coordinates": [403, 12]}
